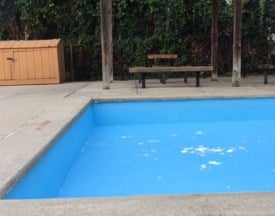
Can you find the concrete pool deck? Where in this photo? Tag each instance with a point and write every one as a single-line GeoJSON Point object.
{"type": "Point", "coordinates": [32, 116]}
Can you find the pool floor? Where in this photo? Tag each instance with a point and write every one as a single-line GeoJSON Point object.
{"type": "Point", "coordinates": [214, 157]}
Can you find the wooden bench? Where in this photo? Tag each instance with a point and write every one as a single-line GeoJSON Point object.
{"type": "Point", "coordinates": [266, 68]}
{"type": "Point", "coordinates": [167, 69]}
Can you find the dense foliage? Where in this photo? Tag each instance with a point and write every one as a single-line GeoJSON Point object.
{"type": "Point", "coordinates": [141, 27]}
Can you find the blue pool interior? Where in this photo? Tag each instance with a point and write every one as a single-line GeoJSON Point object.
{"type": "Point", "coordinates": [157, 148]}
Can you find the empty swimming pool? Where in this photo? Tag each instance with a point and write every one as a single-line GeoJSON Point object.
{"type": "Point", "coordinates": [157, 148]}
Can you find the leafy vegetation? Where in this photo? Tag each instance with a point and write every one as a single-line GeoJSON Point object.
{"type": "Point", "coordinates": [141, 27]}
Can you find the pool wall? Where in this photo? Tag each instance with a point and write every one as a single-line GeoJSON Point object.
{"type": "Point", "coordinates": [198, 110]}
{"type": "Point", "coordinates": [65, 150]}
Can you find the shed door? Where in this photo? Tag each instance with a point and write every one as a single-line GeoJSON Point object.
{"type": "Point", "coordinates": [23, 65]}
{"type": "Point", "coordinates": [6, 62]}
{"type": "Point", "coordinates": [32, 64]}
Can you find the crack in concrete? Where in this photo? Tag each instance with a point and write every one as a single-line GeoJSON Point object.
{"type": "Point", "coordinates": [32, 118]}
{"type": "Point", "coordinates": [4, 138]}
{"type": "Point", "coordinates": [75, 90]}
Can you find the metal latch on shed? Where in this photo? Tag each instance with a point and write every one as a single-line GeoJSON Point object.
{"type": "Point", "coordinates": [11, 58]}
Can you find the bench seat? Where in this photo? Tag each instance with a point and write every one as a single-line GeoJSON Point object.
{"type": "Point", "coordinates": [167, 69]}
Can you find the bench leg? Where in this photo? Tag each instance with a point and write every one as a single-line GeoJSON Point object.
{"type": "Point", "coordinates": [197, 79]}
{"type": "Point", "coordinates": [185, 77]}
{"type": "Point", "coordinates": [143, 77]}
{"type": "Point", "coordinates": [265, 77]}
{"type": "Point", "coordinates": [162, 78]}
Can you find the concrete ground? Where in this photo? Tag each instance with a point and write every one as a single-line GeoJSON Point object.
{"type": "Point", "coordinates": [31, 117]}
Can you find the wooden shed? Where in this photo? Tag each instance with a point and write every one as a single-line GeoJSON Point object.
{"type": "Point", "coordinates": [31, 62]}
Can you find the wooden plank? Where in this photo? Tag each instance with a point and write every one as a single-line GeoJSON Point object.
{"type": "Point", "coordinates": [159, 69]}
{"type": "Point", "coordinates": [43, 64]}
{"type": "Point", "coordinates": [53, 54]}
{"type": "Point", "coordinates": [61, 62]}
{"type": "Point", "coordinates": [29, 59]}
{"type": "Point", "coordinates": [106, 42]}
{"type": "Point", "coordinates": [5, 65]}
{"type": "Point", "coordinates": [72, 63]}
{"type": "Point", "coordinates": [20, 65]}
{"type": "Point", "coordinates": [237, 44]}
{"type": "Point", "coordinates": [29, 82]}
{"type": "Point", "coordinates": [214, 40]}
{"type": "Point", "coordinates": [266, 67]}
{"type": "Point", "coordinates": [162, 56]}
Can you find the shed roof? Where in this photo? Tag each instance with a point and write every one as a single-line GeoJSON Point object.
{"type": "Point", "coordinates": [29, 44]}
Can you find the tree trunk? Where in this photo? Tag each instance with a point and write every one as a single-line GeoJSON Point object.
{"type": "Point", "coordinates": [237, 44]}
{"type": "Point", "coordinates": [27, 32]}
{"type": "Point", "coordinates": [106, 42]}
{"type": "Point", "coordinates": [214, 40]}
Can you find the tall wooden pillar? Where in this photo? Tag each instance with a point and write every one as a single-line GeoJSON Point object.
{"type": "Point", "coordinates": [237, 44]}
{"type": "Point", "coordinates": [106, 42]}
{"type": "Point", "coordinates": [214, 40]}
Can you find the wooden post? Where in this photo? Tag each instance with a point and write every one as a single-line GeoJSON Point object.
{"type": "Point", "coordinates": [111, 69]}
{"type": "Point", "coordinates": [237, 44]}
{"type": "Point", "coordinates": [106, 42]}
{"type": "Point", "coordinates": [72, 63]}
{"type": "Point", "coordinates": [214, 40]}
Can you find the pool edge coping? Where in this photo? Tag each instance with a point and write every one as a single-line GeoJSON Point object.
{"type": "Point", "coordinates": [252, 204]}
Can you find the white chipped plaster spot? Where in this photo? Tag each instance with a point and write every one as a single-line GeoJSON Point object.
{"type": "Point", "coordinates": [214, 163]}
{"type": "Point", "coordinates": [153, 141]}
{"type": "Point", "coordinates": [216, 150]}
{"type": "Point", "coordinates": [174, 135]}
{"type": "Point", "coordinates": [125, 137]}
{"type": "Point", "coordinates": [186, 150]}
{"type": "Point", "coordinates": [199, 132]}
{"type": "Point", "coordinates": [203, 167]}
{"type": "Point", "coordinates": [230, 150]}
